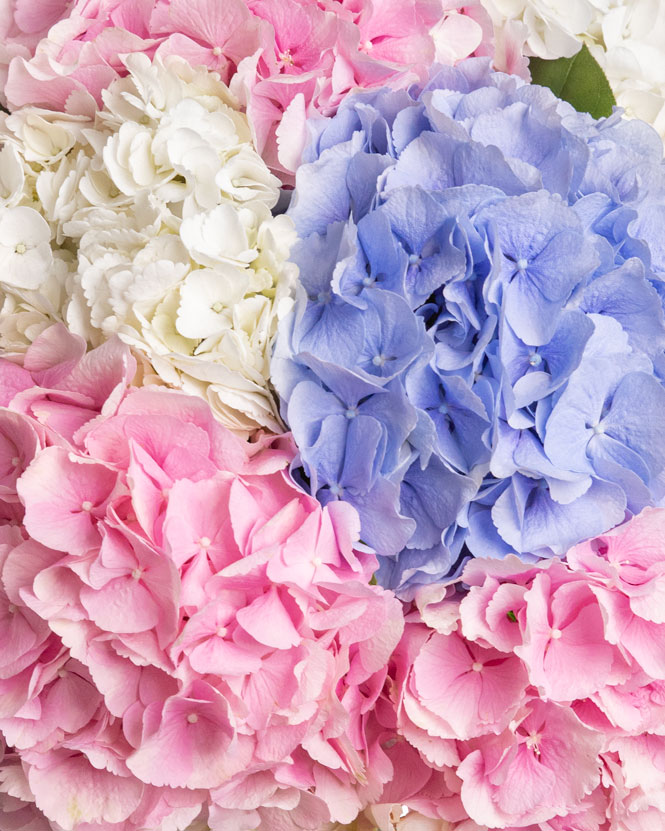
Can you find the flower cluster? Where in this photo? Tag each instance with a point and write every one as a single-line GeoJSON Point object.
{"type": "Point", "coordinates": [183, 632]}
{"type": "Point", "coordinates": [537, 700]}
{"type": "Point", "coordinates": [479, 309]}
{"type": "Point", "coordinates": [152, 221]}
{"type": "Point", "coordinates": [289, 59]}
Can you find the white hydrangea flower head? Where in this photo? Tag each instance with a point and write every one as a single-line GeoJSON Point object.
{"type": "Point", "coordinates": [158, 214]}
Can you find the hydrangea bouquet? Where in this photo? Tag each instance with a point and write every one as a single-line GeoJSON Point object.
{"type": "Point", "coordinates": [332, 416]}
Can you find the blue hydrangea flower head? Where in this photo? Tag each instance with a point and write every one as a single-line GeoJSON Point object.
{"type": "Point", "coordinates": [476, 355]}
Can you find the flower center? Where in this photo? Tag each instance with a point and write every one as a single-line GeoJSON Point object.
{"type": "Point", "coordinates": [287, 58]}
{"type": "Point", "coordinates": [86, 506]}
{"type": "Point", "coordinates": [535, 359]}
{"type": "Point", "coordinates": [221, 632]}
{"type": "Point", "coordinates": [137, 573]}
{"type": "Point", "coordinates": [352, 412]}
{"type": "Point", "coordinates": [20, 248]}
{"type": "Point", "coordinates": [555, 634]}
{"type": "Point", "coordinates": [522, 264]}
{"type": "Point", "coordinates": [205, 542]}
{"type": "Point", "coordinates": [217, 307]}
{"type": "Point", "coordinates": [414, 259]}
{"type": "Point", "coordinates": [532, 742]}
{"type": "Point", "coordinates": [15, 461]}
{"type": "Point", "coordinates": [217, 51]}
{"type": "Point", "coordinates": [476, 666]}
{"type": "Point", "coordinates": [192, 718]}
{"type": "Point", "coordinates": [336, 490]}
{"type": "Point", "coordinates": [379, 360]}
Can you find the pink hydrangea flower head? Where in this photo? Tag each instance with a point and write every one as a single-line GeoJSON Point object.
{"type": "Point", "coordinates": [183, 629]}
{"type": "Point", "coordinates": [535, 695]}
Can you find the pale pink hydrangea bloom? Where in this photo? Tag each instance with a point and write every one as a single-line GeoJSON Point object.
{"type": "Point", "coordinates": [537, 698]}
{"type": "Point", "coordinates": [181, 628]}
{"type": "Point", "coordinates": [287, 60]}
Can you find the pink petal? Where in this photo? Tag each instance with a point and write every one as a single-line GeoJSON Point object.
{"type": "Point", "coordinates": [268, 622]}
{"type": "Point", "coordinates": [31, 19]}
{"type": "Point", "coordinates": [123, 605]}
{"type": "Point", "coordinates": [291, 133]}
{"type": "Point", "coordinates": [220, 657]}
{"type": "Point", "coordinates": [13, 379]}
{"type": "Point", "coordinates": [70, 791]}
{"type": "Point", "coordinates": [52, 356]}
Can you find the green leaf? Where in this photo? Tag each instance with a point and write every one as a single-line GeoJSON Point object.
{"type": "Point", "coordinates": [512, 617]}
{"type": "Point", "coordinates": [578, 80]}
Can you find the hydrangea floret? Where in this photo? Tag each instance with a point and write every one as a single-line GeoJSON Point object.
{"type": "Point", "coordinates": [475, 358]}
